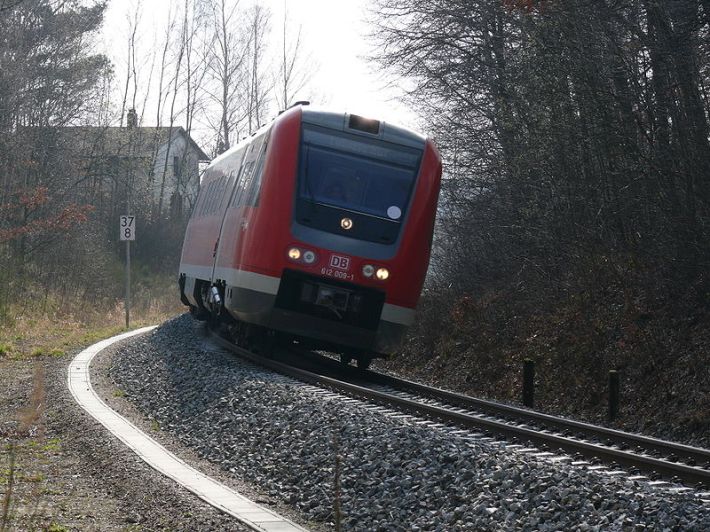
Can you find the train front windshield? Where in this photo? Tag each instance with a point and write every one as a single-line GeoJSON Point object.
{"type": "Point", "coordinates": [369, 177]}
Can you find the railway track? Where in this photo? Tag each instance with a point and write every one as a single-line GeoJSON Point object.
{"type": "Point", "coordinates": [647, 458]}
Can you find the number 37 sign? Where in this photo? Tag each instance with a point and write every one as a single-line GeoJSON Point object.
{"type": "Point", "coordinates": [128, 227]}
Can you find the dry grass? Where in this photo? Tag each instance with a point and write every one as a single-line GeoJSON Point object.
{"type": "Point", "coordinates": [58, 327]}
{"type": "Point", "coordinates": [9, 488]}
{"type": "Point", "coordinates": [35, 331]}
{"type": "Point", "coordinates": [29, 426]}
{"type": "Point", "coordinates": [476, 345]}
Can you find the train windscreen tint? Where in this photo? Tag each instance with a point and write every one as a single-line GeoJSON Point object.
{"type": "Point", "coordinates": [366, 176]}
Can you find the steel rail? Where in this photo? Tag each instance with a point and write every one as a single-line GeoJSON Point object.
{"type": "Point", "coordinates": [679, 451]}
{"type": "Point", "coordinates": [686, 473]}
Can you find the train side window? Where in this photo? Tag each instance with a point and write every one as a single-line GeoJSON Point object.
{"type": "Point", "coordinates": [198, 203]}
{"type": "Point", "coordinates": [253, 197]}
{"type": "Point", "coordinates": [222, 190]}
{"type": "Point", "coordinates": [237, 187]}
{"type": "Point", "coordinates": [204, 195]}
{"type": "Point", "coordinates": [206, 200]}
{"type": "Point", "coordinates": [219, 194]}
{"type": "Point", "coordinates": [246, 192]}
{"type": "Point", "coordinates": [213, 193]}
{"type": "Point", "coordinates": [233, 183]}
{"type": "Point", "coordinates": [213, 196]}
{"type": "Point", "coordinates": [246, 173]}
{"type": "Point", "coordinates": [244, 182]}
{"type": "Point", "coordinates": [235, 175]}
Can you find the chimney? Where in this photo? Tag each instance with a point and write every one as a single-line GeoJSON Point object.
{"type": "Point", "coordinates": [131, 119]}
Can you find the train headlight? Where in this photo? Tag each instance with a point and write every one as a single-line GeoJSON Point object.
{"type": "Point", "coordinates": [294, 254]}
{"type": "Point", "coordinates": [383, 274]}
{"type": "Point", "coordinates": [309, 257]}
{"type": "Point", "coordinates": [346, 223]}
{"type": "Point", "coordinates": [368, 270]}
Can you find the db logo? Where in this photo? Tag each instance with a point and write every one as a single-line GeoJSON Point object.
{"type": "Point", "coordinates": [342, 263]}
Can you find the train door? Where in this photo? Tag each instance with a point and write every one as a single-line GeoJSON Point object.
{"type": "Point", "coordinates": [247, 193]}
{"type": "Point", "coordinates": [225, 245]}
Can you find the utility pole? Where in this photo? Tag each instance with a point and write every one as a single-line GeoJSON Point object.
{"type": "Point", "coordinates": [128, 267]}
{"type": "Point", "coordinates": [128, 222]}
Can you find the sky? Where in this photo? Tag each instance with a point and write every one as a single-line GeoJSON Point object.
{"type": "Point", "coordinates": [334, 36]}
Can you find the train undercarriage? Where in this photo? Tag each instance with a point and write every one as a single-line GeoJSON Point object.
{"type": "Point", "coordinates": [256, 337]}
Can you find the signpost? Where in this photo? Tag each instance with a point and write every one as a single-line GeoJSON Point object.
{"type": "Point", "coordinates": [128, 227]}
{"type": "Point", "coordinates": [127, 230]}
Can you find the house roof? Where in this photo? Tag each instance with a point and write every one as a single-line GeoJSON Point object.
{"type": "Point", "coordinates": [122, 141]}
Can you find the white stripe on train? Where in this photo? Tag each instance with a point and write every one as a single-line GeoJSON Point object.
{"type": "Point", "coordinates": [268, 284]}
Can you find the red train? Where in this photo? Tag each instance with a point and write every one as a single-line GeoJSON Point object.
{"type": "Point", "coordinates": [318, 227]}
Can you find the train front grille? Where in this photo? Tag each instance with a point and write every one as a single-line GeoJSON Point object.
{"type": "Point", "coordinates": [330, 299]}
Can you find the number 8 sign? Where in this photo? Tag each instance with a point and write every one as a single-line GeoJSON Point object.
{"type": "Point", "coordinates": [127, 227]}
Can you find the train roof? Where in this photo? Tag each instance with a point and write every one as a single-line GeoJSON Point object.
{"type": "Point", "coordinates": [341, 121]}
{"type": "Point", "coordinates": [369, 127]}
{"type": "Point", "coordinates": [245, 140]}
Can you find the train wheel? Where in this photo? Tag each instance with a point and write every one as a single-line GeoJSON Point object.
{"type": "Point", "coordinates": [267, 344]}
{"type": "Point", "coordinates": [363, 362]}
{"type": "Point", "coordinates": [260, 340]}
{"type": "Point", "coordinates": [345, 359]}
{"type": "Point", "coordinates": [198, 313]}
{"type": "Point", "coordinates": [239, 333]}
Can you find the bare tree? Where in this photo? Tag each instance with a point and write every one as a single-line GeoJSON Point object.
{"type": "Point", "coordinates": [226, 61]}
{"type": "Point", "coordinates": [579, 131]}
{"type": "Point", "coordinates": [196, 56]}
{"type": "Point", "coordinates": [197, 48]}
{"type": "Point", "coordinates": [294, 68]}
{"type": "Point", "coordinates": [172, 117]}
{"type": "Point", "coordinates": [131, 74]}
{"type": "Point", "coordinates": [258, 19]}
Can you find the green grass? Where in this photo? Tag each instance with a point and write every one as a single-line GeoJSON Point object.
{"type": "Point", "coordinates": [53, 445]}
{"type": "Point", "coordinates": [48, 351]}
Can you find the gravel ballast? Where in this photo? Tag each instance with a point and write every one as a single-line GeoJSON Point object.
{"type": "Point", "coordinates": [283, 437]}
